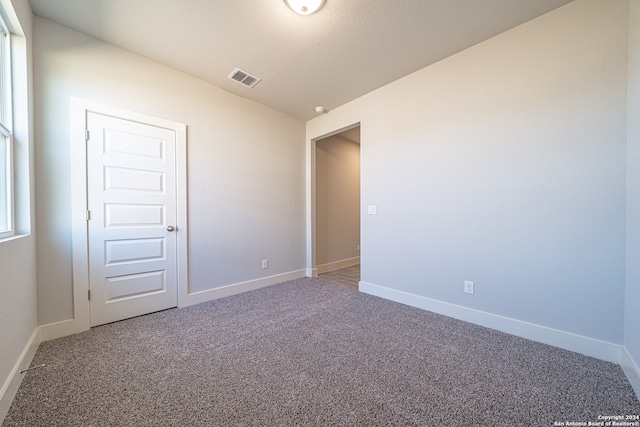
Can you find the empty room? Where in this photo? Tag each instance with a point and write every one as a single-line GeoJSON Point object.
{"type": "Point", "coordinates": [319, 212]}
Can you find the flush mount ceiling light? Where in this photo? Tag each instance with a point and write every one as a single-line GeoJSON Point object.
{"type": "Point", "coordinates": [304, 7]}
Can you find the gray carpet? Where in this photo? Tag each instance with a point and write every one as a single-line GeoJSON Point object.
{"type": "Point", "coordinates": [311, 352]}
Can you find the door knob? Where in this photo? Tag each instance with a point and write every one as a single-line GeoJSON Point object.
{"type": "Point", "coordinates": [170, 228]}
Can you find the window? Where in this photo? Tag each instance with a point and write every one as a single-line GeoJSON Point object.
{"type": "Point", "coordinates": [6, 140]}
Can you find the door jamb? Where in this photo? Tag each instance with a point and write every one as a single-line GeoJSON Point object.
{"type": "Point", "coordinates": [312, 267]}
{"type": "Point", "coordinates": [79, 227]}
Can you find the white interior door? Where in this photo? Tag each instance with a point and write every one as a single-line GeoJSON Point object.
{"type": "Point", "coordinates": [131, 196]}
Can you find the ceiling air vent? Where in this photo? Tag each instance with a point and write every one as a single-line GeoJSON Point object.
{"type": "Point", "coordinates": [244, 78]}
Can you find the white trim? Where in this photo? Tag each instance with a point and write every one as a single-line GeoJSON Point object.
{"type": "Point", "coordinates": [310, 190]}
{"type": "Point", "coordinates": [580, 344]}
{"type": "Point", "coordinates": [11, 385]}
{"type": "Point", "coordinates": [79, 234]}
{"type": "Point", "coordinates": [631, 370]}
{"type": "Point", "coordinates": [64, 328]}
{"type": "Point", "coordinates": [9, 171]}
{"type": "Point", "coordinates": [79, 109]}
{"type": "Point", "coordinates": [310, 204]}
{"type": "Point", "coordinates": [337, 265]}
{"type": "Point", "coordinates": [237, 288]}
{"type": "Point", "coordinates": [57, 330]}
{"type": "Point", "coordinates": [182, 252]}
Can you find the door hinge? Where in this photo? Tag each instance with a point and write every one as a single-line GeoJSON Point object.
{"type": "Point", "coordinates": [86, 134]}
{"type": "Point", "coordinates": [88, 215]}
{"type": "Point", "coordinates": [89, 294]}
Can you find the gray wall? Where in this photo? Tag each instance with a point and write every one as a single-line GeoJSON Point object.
{"type": "Point", "coordinates": [632, 311]}
{"type": "Point", "coordinates": [504, 165]}
{"type": "Point", "coordinates": [245, 164]}
{"type": "Point", "coordinates": [337, 200]}
{"type": "Point", "coordinates": [18, 317]}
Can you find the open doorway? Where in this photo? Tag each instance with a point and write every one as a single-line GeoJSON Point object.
{"type": "Point", "coordinates": [337, 243]}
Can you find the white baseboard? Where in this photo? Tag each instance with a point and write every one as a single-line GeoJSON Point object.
{"type": "Point", "coordinates": [580, 344]}
{"type": "Point", "coordinates": [11, 385]}
{"type": "Point", "coordinates": [337, 265]}
{"type": "Point", "coordinates": [312, 272]}
{"type": "Point", "coordinates": [64, 328]}
{"type": "Point", "coordinates": [56, 330]}
{"type": "Point", "coordinates": [237, 288]}
{"type": "Point", "coordinates": [631, 370]}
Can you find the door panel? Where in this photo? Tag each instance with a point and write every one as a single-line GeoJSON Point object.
{"type": "Point", "coordinates": [120, 216]}
{"type": "Point", "coordinates": [129, 251]}
{"type": "Point", "coordinates": [135, 285]}
{"type": "Point", "coordinates": [122, 179]}
{"type": "Point", "coordinates": [132, 202]}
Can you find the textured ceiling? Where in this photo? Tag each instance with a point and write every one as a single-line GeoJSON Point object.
{"type": "Point", "coordinates": [347, 49]}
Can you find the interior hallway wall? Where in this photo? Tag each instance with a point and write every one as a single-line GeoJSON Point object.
{"type": "Point", "coordinates": [245, 164]}
{"type": "Point", "coordinates": [337, 201]}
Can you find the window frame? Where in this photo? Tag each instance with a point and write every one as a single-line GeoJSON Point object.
{"type": "Point", "coordinates": [6, 122]}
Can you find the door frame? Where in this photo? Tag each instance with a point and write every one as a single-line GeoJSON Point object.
{"type": "Point", "coordinates": [311, 235]}
{"type": "Point", "coordinates": [79, 227]}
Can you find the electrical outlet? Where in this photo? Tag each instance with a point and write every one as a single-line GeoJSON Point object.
{"type": "Point", "coordinates": [469, 287]}
{"type": "Point", "coordinates": [265, 264]}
